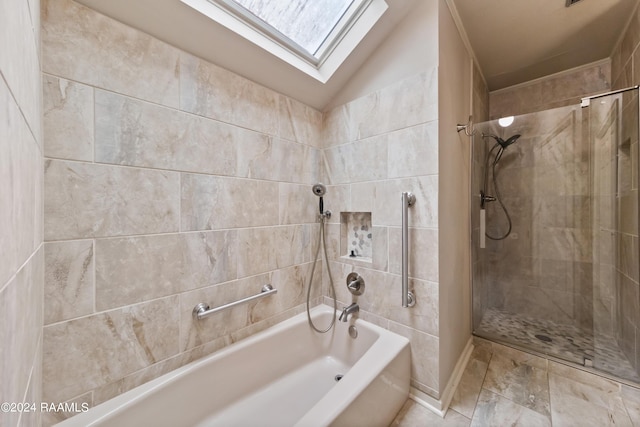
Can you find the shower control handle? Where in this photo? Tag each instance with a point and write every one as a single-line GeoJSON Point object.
{"type": "Point", "coordinates": [355, 283]}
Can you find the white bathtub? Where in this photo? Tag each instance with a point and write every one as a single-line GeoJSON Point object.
{"type": "Point", "coordinates": [282, 376]}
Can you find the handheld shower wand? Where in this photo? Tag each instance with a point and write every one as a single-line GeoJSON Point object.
{"type": "Point", "coordinates": [319, 190]}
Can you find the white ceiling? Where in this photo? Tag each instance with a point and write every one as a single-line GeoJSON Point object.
{"type": "Point", "coordinates": [520, 40]}
{"type": "Point", "coordinates": [514, 41]}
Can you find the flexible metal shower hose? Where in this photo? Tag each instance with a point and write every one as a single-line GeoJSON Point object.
{"type": "Point", "coordinates": [321, 240]}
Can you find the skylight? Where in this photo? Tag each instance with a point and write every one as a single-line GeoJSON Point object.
{"type": "Point", "coordinates": [306, 23]}
{"type": "Point", "coordinates": [315, 36]}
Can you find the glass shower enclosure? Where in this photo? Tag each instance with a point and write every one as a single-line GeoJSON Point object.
{"type": "Point", "coordinates": [556, 264]}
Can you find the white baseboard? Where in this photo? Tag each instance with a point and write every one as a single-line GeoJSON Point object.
{"type": "Point", "coordinates": [429, 402]}
{"type": "Point", "coordinates": [440, 406]}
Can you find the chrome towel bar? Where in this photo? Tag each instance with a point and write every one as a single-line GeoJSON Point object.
{"type": "Point", "coordinates": [202, 310]}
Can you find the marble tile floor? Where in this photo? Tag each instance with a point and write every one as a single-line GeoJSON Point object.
{"type": "Point", "coordinates": [502, 386]}
{"type": "Point", "coordinates": [565, 341]}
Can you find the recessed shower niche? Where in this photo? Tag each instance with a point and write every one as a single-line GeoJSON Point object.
{"type": "Point", "coordinates": [356, 236]}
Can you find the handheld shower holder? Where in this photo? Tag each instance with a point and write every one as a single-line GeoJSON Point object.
{"type": "Point", "coordinates": [324, 215]}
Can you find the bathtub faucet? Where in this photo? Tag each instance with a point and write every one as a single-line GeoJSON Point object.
{"type": "Point", "coordinates": [353, 308]}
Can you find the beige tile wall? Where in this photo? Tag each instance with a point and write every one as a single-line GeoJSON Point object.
{"type": "Point", "coordinates": [625, 72]}
{"type": "Point", "coordinates": [199, 190]}
{"type": "Point", "coordinates": [168, 181]}
{"type": "Point", "coordinates": [373, 154]}
{"type": "Point", "coordinates": [559, 90]}
{"type": "Point", "coordinates": [21, 254]}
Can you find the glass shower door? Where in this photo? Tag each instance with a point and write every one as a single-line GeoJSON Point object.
{"type": "Point", "coordinates": [532, 279]}
{"type": "Point", "coordinates": [613, 135]}
{"type": "Point", "coordinates": [556, 259]}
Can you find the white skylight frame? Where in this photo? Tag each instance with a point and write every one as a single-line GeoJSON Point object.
{"type": "Point", "coordinates": [355, 23]}
{"type": "Point", "coordinates": [270, 29]}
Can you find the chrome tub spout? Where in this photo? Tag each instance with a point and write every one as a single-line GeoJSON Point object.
{"type": "Point", "coordinates": [353, 308]}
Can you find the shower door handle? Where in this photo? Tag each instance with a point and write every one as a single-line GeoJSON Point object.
{"type": "Point", "coordinates": [483, 228]}
{"type": "Point", "coordinates": [408, 199]}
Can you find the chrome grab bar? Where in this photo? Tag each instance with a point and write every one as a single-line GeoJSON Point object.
{"type": "Point", "coordinates": [202, 310]}
{"type": "Point", "coordinates": [408, 199]}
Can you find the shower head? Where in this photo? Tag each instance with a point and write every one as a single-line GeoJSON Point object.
{"type": "Point", "coordinates": [510, 141]}
{"type": "Point", "coordinates": [502, 142]}
{"type": "Point", "coordinates": [319, 189]}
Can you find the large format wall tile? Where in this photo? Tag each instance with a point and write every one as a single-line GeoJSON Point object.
{"type": "Point", "coordinates": [19, 62]}
{"type": "Point", "coordinates": [291, 285]}
{"type": "Point", "coordinates": [107, 346]}
{"type": "Point", "coordinates": [34, 389]}
{"type": "Point", "coordinates": [363, 160]}
{"type": "Point", "coordinates": [377, 147]}
{"type": "Point", "coordinates": [87, 200]}
{"type": "Point", "coordinates": [298, 204]}
{"type": "Point", "coordinates": [194, 332]}
{"type": "Point", "coordinates": [292, 245]}
{"type": "Point", "coordinates": [51, 418]}
{"type": "Point", "coordinates": [69, 280]}
{"type": "Point", "coordinates": [20, 192]}
{"type": "Point", "coordinates": [413, 151]}
{"type": "Point", "coordinates": [211, 91]}
{"type": "Point", "coordinates": [85, 46]}
{"type": "Point", "coordinates": [111, 390]}
{"type": "Point", "coordinates": [423, 253]}
{"type": "Point", "coordinates": [68, 119]}
{"type": "Point", "coordinates": [561, 89]}
{"type": "Point", "coordinates": [425, 351]}
{"type": "Point", "coordinates": [21, 171]}
{"type": "Point", "coordinates": [137, 133]}
{"type": "Point", "coordinates": [418, 96]}
{"type": "Point", "coordinates": [377, 113]}
{"type": "Point", "coordinates": [211, 202]}
{"type": "Point", "coordinates": [264, 191]}
{"type": "Point", "coordinates": [386, 300]}
{"type": "Point", "coordinates": [136, 269]}
{"type": "Point", "coordinates": [274, 159]}
{"type": "Point", "coordinates": [387, 208]}
{"type": "Point", "coordinates": [340, 126]}
{"type": "Point", "coordinates": [299, 122]}
{"type": "Point", "coordinates": [188, 158]}
{"type": "Point", "coordinates": [382, 199]}
{"type": "Point", "coordinates": [20, 332]}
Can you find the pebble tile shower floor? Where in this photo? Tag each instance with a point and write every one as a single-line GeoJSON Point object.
{"type": "Point", "coordinates": [566, 341]}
